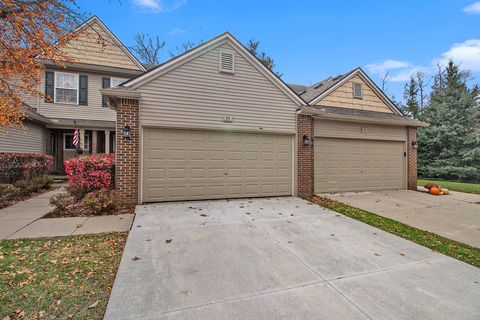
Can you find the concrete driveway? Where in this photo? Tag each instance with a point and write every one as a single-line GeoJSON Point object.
{"type": "Point", "coordinates": [281, 258]}
{"type": "Point", "coordinates": [455, 216]}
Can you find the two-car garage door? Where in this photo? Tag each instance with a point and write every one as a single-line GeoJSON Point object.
{"type": "Point", "coordinates": [358, 165]}
{"type": "Point", "coordinates": [193, 164]}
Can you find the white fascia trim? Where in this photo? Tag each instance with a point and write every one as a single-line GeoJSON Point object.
{"type": "Point", "coordinates": [114, 37]}
{"type": "Point", "coordinates": [365, 78]}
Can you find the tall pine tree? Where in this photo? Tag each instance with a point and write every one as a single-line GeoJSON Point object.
{"type": "Point", "coordinates": [450, 147]}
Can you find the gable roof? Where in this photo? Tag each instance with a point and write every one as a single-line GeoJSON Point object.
{"type": "Point", "coordinates": [320, 90]}
{"type": "Point", "coordinates": [204, 47]}
{"type": "Point", "coordinates": [95, 19]}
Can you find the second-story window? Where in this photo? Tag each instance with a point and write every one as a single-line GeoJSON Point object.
{"type": "Point", "coordinates": [114, 82]}
{"type": "Point", "coordinates": [66, 87]}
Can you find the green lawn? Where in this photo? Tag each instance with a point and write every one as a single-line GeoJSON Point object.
{"type": "Point", "coordinates": [430, 240]}
{"type": "Point", "coordinates": [58, 278]}
{"type": "Point", "coordinates": [454, 186]}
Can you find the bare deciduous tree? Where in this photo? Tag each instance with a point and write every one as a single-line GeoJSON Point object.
{"type": "Point", "coordinates": [184, 47]}
{"type": "Point", "coordinates": [147, 48]}
{"type": "Point", "coordinates": [422, 85]}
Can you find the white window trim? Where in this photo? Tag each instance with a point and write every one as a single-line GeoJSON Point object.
{"type": "Point", "coordinates": [65, 134]}
{"type": "Point", "coordinates": [361, 90]}
{"type": "Point", "coordinates": [85, 141]}
{"type": "Point", "coordinates": [220, 61]}
{"type": "Point", "coordinates": [55, 89]}
{"type": "Point", "coordinates": [112, 78]}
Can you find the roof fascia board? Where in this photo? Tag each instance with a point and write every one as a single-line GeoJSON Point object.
{"type": "Point", "coordinates": [352, 118]}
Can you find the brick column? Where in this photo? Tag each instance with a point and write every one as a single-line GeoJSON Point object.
{"type": "Point", "coordinates": [305, 157]}
{"type": "Point", "coordinates": [127, 153]}
{"type": "Point", "coordinates": [412, 158]}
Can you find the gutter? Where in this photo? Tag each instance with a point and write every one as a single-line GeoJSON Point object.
{"type": "Point", "coordinates": [323, 114]}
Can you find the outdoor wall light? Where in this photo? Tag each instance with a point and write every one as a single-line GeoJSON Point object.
{"type": "Point", "coordinates": [127, 132]}
{"type": "Point", "coordinates": [307, 141]}
{"type": "Point", "coordinates": [414, 144]}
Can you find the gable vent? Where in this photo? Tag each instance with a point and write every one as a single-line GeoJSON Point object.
{"type": "Point", "coordinates": [227, 61]}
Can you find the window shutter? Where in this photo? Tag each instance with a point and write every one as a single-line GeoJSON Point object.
{"type": "Point", "coordinates": [49, 86]}
{"type": "Point", "coordinates": [83, 90]}
{"type": "Point", "coordinates": [105, 84]}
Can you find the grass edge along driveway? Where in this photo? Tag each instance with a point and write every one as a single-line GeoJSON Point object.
{"type": "Point", "coordinates": [58, 278]}
{"type": "Point", "coordinates": [453, 186]}
{"type": "Point", "coordinates": [454, 249]}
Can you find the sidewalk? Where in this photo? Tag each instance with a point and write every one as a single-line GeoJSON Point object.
{"type": "Point", "coordinates": [23, 220]}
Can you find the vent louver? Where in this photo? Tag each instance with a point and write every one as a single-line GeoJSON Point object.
{"type": "Point", "coordinates": [227, 61]}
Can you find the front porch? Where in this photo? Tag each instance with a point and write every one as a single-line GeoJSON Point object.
{"type": "Point", "coordinates": [92, 141]}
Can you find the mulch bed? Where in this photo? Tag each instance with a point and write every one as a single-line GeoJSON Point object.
{"type": "Point", "coordinates": [80, 211]}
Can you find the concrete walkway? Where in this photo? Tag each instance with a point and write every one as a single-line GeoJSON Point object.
{"type": "Point", "coordinates": [22, 214]}
{"type": "Point", "coordinates": [281, 258]}
{"type": "Point", "coordinates": [455, 216]}
{"type": "Point", "coordinates": [23, 220]}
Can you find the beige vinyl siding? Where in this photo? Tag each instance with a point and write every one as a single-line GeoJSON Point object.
{"type": "Point", "coordinates": [342, 97]}
{"type": "Point", "coordinates": [92, 111]}
{"type": "Point", "coordinates": [88, 48]}
{"type": "Point", "coordinates": [342, 129]}
{"type": "Point", "coordinates": [197, 95]}
{"type": "Point", "coordinates": [31, 138]}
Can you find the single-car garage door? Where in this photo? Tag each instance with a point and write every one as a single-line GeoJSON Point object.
{"type": "Point", "coordinates": [193, 164]}
{"type": "Point", "coordinates": [358, 165]}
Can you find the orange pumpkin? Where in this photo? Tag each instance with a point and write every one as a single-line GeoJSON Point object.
{"type": "Point", "coordinates": [435, 191]}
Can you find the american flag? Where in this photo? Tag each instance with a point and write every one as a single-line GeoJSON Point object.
{"type": "Point", "coordinates": [76, 136]}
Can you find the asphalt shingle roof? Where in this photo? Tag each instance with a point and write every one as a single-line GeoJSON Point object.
{"type": "Point", "coordinates": [310, 93]}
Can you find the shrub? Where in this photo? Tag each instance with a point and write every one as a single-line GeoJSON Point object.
{"type": "Point", "coordinates": [90, 173]}
{"type": "Point", "coordinates": [33, 185]}
{"type": "Point", "coordinates": [450, 172]}
{"type": "Point", "coordinates": [100, 201]}
{"type": "Point", "coordinates": [23, 166]}
{"type": "Point", "coordinates": [61, 201]}
{"type": "Point", "coordinates": [8, 192]}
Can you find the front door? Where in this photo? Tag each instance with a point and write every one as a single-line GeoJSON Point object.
{"type": "Point", "coordinates": [53, 149]}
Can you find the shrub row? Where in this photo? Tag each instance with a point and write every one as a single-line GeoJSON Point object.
{"type": "Point", "coordinates": [23, 166]}
{"type": "Point", "coordinates": [23, 188]}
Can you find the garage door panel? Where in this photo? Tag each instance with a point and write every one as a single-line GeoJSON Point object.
{"type": "Point", "coordinates": [210, 165]}
{"type": "Point", "coordinates": [358, 165]}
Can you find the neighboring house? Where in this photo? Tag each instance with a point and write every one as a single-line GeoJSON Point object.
{"type": "Point", "coordinates": [362, 140]}
{"type": "Point", "coordinates": [216, 123]}
{"type": "Point", "coordinates": [73, 96]}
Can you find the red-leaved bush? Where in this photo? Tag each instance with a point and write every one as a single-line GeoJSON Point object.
{"type": "Point", "coordinates": [23, 166]}
{"type": "Point", "coordinates": [90, 173]}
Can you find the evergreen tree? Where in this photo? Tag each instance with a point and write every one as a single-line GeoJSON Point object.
{"type": "Point", "coordinates": [450, 147]}
{"type": "Point", "coordinates": [412, 106]}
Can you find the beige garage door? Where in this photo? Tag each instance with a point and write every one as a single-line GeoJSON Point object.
{"type": "Point", "coordinates": [358, 165]}
{"type": "Point", "coordinates": [192, 165]}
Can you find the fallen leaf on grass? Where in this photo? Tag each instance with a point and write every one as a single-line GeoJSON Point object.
{"type": "Point", "coordinates": [93, 305]}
